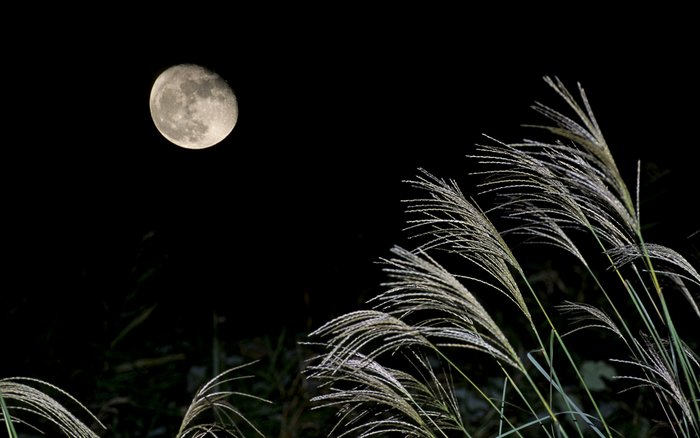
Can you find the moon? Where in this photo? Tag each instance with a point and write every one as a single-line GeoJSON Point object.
{"type": "Point", "coordinates": [192, 106]}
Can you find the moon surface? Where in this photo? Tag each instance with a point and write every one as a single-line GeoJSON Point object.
{"type": "Point", "coordinates": [192, 106]}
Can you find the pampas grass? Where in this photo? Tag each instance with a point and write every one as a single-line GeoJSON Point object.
{"type": "Point", "coordinates": [22, 398]}
{"type": "Point", "coordinates": [394, 368]}
{"type": "Point", "coordinates": [210, 414]}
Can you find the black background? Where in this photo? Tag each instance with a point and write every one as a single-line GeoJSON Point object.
{"type": "Point", "coordinates": [280, 224]}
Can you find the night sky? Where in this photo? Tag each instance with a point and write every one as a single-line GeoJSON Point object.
{"type": "Point", "coordinates": [289, 213]}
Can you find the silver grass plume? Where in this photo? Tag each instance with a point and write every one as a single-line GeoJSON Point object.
{"type": "Point", "coordinates": [211, 412]}
{"type": "Point", "coordinates": [451, 222]}
{"type": "Point", "coordinates": [559, 184]}
{"type": "Point", "coordinates": [374, 399]}
{"type": "Point", "coordinates": [570, 183]}
{"type": "Point", "coordinates": [586, 316]}
{"type": "Point", "coordinates": [424, 310]}
{"type": "Point", "coordinates": [455, 318]}
{"type": "Point", "coordinates": [419, 284]}
{"type": "Point", "coordinates": [677, 267]}
{"type": "Point", "coordinates": [662, 379]}
{"type": "Point", "coordinates": [587, 134]}
{"type": "Point", "coordinates": [24, 397]}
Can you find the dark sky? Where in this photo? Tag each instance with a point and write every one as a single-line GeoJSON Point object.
{"type": "Point", "coordinates": [336, 108]}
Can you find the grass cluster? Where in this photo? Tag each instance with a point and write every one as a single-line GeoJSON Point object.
{"type": "Point", "coordinates": [392, 369]}
{"type": "Point", "coordinates": [466, 339]}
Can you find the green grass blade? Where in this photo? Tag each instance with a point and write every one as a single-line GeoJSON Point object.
{"type": "Point", "coordinates": [561, 392]}
{"type": "Point", "coordinates": [8, 419]}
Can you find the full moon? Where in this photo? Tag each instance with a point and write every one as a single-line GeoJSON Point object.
{"type": "Point", "coordinates": [193, 107]}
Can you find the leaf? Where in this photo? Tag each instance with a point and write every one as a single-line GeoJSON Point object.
{"type": "Point", "coordinates": [593, 371]}
{"type": "Point", "coordinates": [143, 316]}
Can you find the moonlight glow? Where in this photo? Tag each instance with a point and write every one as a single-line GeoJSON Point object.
{"type": "Point", "coordinates": [193, 107]}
